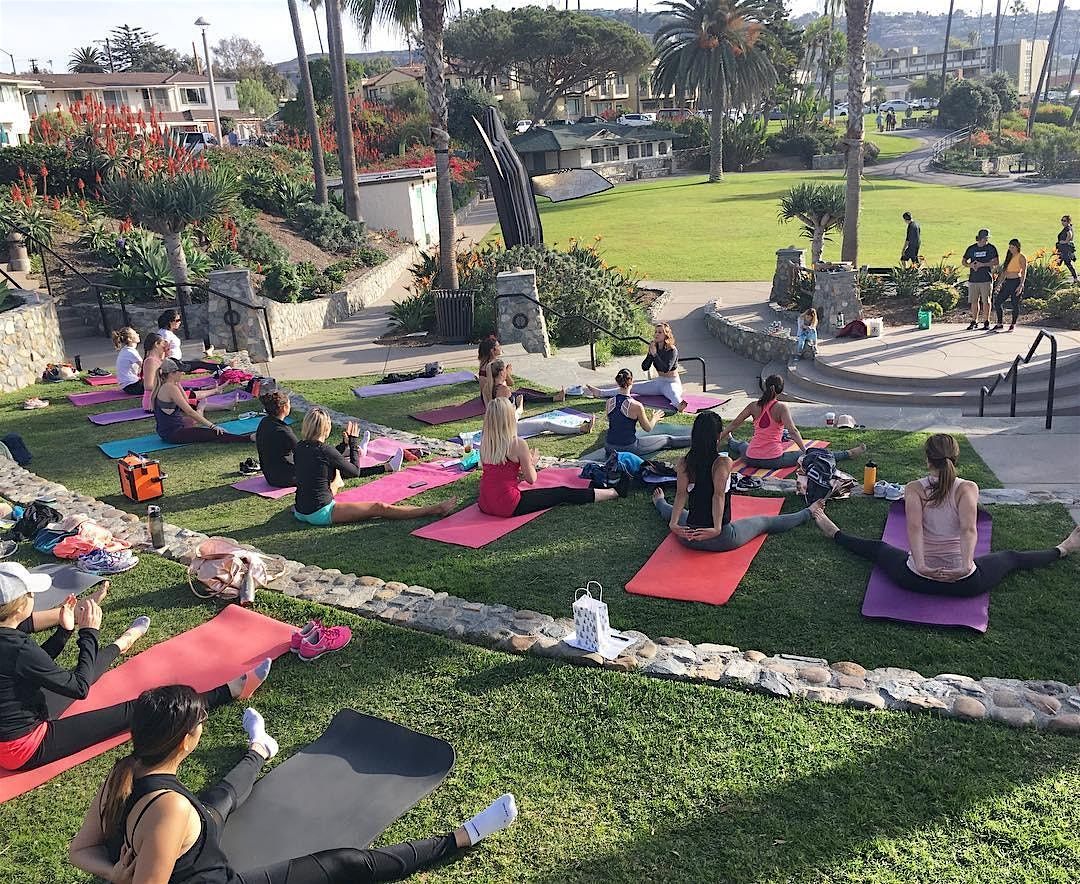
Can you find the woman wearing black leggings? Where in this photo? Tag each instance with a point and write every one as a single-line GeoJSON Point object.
{"type": "Point", "coordinates": [941, 513]}
{"type": "Point", "coordinates": [143, 806]}
{"type": "Point", "coordinates": [1010, 284]}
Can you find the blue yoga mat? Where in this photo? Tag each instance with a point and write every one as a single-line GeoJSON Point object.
{"type": "Point", "coordinates": [153, 442]}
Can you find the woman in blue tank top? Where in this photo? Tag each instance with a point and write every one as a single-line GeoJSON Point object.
{"type": "Point", "coordinates": [625, 414]}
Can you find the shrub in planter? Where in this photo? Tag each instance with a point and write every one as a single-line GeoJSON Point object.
{"type": "Point", "coordinates": [933, 307]}
{"type": "Point", "coordinates": [414, 313]}
{"type": "Point", "coordinates": [328, 228]}
{"type": "Point", "coordinates": [369, 256]}
{"type": "Point", "coordinates": [1045, 274]}
{"type": "Point", "coordinates": [282, 283]}
{"type": "Point", "coordinates": [872, 288]}
{"type": "Point", "coordinates": [942, 293]}
{"type": "Point", "coordinates": [254, 243]}
{"type": "Point", "coordinates": [1063, 307]}
{"type": "Point", "coordinates": [940, 272]}
{"type": "Point", "coordinates": [337, 271]}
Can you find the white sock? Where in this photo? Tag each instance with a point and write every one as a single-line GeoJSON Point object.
{"type": "Point", "coordinates": [364, 440]}
{"type": "Point", "coordinates": [255, 728]}
{"type": "Point", "coordinates": [494, 818]}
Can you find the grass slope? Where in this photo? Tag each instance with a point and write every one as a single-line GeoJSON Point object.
{"type": "Point", "coordinates": [621, 778]}
{"type": "Point", "coordinates": [801, 594]}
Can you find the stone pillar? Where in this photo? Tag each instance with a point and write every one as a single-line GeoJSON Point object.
{"type": "Point", "coordinates": [223, 316]}
{"type": "Point", "coordinates": [517, 319]}
{"type": "Point", "coordinates": [836, 292]}
{"type": "Point", "coordinates": [781, 281]}
{"type": "Point", "coordinates": [18, 259]}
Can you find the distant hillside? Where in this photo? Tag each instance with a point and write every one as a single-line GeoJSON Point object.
{"type": "Point", "coordinates": [397, 56]}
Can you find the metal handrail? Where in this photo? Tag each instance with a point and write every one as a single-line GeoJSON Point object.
{"type": "Point", "coordinates": [1014, 372]}
{"type": "Point", "coordinates": [10, 278]}
{"type": "Point", "coordinates": [945, 142]}
{"type": "Point", "coordinates": [597, 327]}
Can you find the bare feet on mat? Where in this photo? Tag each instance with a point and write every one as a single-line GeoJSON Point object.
{"type": "Point", "coordinates": [827, 526]}
{"type": "Point", "coordinates": [447, 507]}
{"type": "Point", "coordinates": [857, 451]}
{"type": "Point", "coordinates": [560, 396]}
{"type": "Point", "coordinates": [593, 391]}
{"type": "Point", "coordinates": [132, 634]}
{"type": "Point", "coordinates": [1071, 543]}
{"type": "Point", "coordinates": [251, 437]}
{"type": "Point", "coordinates": [657, 494]}
{"type": "Point", "coordinates": [588, 426]}
{"type": "Point", "coordinates": [682, 406]}
{"type": "Point", "coordinates": [243, 687]}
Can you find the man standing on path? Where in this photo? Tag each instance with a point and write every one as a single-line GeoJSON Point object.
{"type": "Point", "coordinates": [980, 258]}
{"type": "Point", "coordinates": [912, 242]}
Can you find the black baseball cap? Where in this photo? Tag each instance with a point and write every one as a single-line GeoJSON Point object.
{"type": "Point", "coordinates": [983, 234]}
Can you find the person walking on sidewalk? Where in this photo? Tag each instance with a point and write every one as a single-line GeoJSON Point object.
{"type": "Point", "coordinates": [981, 257]}
{"type": "Point", "coordinates": [1010, 284]}
{"type": "Point", "coordinates": [1066, 245]}
{"type": "Point", "coordinates": [912, 242]}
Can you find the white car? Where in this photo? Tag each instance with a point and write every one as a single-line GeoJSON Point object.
{"type": "Point", "coordinates": [196, 142]}
{"type": "Point", "coordinates": [636, 119]}
{"type": "Point", "coordinates": [522, 126]}
{"type": "Point", "coordinates": [924, 103]}
{"type": "Point", "coordinates": [895, 104]}
{"type": "Point", "coordinates": [839, 111]}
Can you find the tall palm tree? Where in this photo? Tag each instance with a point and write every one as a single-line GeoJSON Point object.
{"type": "Point", "coordinates": [314, 4]}
{"type": "Point", "coordinates": [711, 46]}
{"type": "Point", "coordinates": [431, 15]}
{"type": "Point", "coordinates": [945, 51]}
{"type": "Point", "coordinates": [308, 94]}
{"type": "Point", "coordinates": [997, 39]}
{"type": "Point", "coordinates": [87, 60]}
{"type": "Point", "coordinates": [820, 207]}
{"type": "Point", "coordinates": [1017, 8]}
{"type": "Point", "coordinates": [858, 28]}
{"type": "Point", "coordinates": [1045, 72]}
{"type": "Point", "coordinates": [342, 115]}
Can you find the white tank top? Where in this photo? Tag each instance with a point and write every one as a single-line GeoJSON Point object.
{"type": "Point", "coordinates": [942, 543]}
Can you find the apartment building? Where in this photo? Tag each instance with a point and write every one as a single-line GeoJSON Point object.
{"type": "Point", "coordinates": [1022, 60]}
{"type": "Point", "coordinates": [14, 116]}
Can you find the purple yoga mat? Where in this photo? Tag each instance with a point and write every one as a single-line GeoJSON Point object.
{"type": "Point", "coordinates": [450, 413]}
{"type": "Point", "coordinates": [395, 486]}
{"type": "Point", "coordinates": [218, 400]}
{"type": "Point", "coordinates": [695, 402]}
{"type": "Point", "coordinates": [887, 600]}
{"type": "Point", "coordinates": [440, 380]}
{"type": "Point", "coordinates": [259, 485]}
{"type": "Point", "coordinates": [98, 397]}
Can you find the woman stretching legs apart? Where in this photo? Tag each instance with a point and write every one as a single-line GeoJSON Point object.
{"type": "Point", "coordinates": [497, 369]}
{"type": "Point", "coordinates": [663, 355]}
{"type": "Point", "coordinates": [766, 448]}
{"type": "Point", "coordinates": [508, 460]}
{"type": "Point", "coordinates": [941, 514]}
{"type": "Point", "coordinates": [701, 516]}
{"type": "Point", "coordinates": [625, 414]}
{"type": "Point", "coordinates": [175, 418]}
{"type": "Point", "coordinates": [145, 825]}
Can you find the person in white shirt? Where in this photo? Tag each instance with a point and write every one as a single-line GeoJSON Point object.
{"type": "Point", "coordinates": [169, 323]}
{"type": "Point", "coordinates": [128, 360]}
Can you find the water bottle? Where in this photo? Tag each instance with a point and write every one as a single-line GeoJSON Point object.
{"type": "Point", "coordinates": [156, 525]}
{"type": "Point", "coordinates": [869, 477]}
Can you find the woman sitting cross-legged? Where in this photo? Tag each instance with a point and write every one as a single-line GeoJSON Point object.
{"type": "Point", "coordinates": [625, 414]}
{"type": "Point", "coordinates": [488, 352]}
{"type": "Point", "coordinates": [128, 361]}
{"type": "Point", "coordinates": [275, 441]}
{"type": "Point", "coordinates": [176, 419]}
{"type": "Point", "coordinates": [536, 425]}
{"type": "Point", "coordinates": [701, 516]}
{"type": "Point", "coordinates": [508, 460]}
{"type": "Point", "coordinates": [321, 471]}
{"type": "Point", "coordinates": [767, 448]}
{"type": "Point", "coordinates": [663, 355]}
{"type": "Point", "coordinates": [144, 825]}
{"type": "Point", "coordinates": [941, 511]}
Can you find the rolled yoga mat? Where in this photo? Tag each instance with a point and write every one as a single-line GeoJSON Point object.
{"type": "Point", "coordinates": [740, 466]}
{"type": "Point", "coordinates": [439, 380]}
{"type": "Point", "coordinates": [218, 400]}
{"type": "Point", "coordinates": [888, 601]}
{"type": "Point", "coordinates": [693, 575]}
{"type": "Point", "coordinates": [153, 442]}
{"type": "Point", "coordinates": [209, 655]}
{"type": "Point", "coordinates": [67, 580]}
{"type": "Point", "coordinates": [450, 413]}
{"type": "Point", "coordinates": [344, 790]}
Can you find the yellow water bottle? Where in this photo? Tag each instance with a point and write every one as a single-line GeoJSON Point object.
{"type": "Point", "coordinates": [869, 477]}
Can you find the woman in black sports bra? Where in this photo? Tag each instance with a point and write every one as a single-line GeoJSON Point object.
{"type": "Point", "coordinates": [145, 825]}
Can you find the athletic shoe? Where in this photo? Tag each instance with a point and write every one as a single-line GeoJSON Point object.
{"type": "Point", "coordinates": [879, 489]}
{"type": "Point", "coordinates": [324, 640]}
{"type": "Point", "coordinates": [973, 326]}
{"type": "Point", "coordinates": [103, 562]}
{"type": "Point", "coordinates": [302, 633]}
{"type": "Point", "coordinates": [250, 467]}
{"type": "Point", "coordinates": [997, 327]}
{"type": "Point", "coordinates": [1011, 327]}
{"type": "Point", "coordinates": [33, 403]}
{"type": "Point", "coordinates": [986, 326]}
{"type": "Point", "coordinates": [396, 460]}
{"type": "Point", "coordinates": [99, 372]}
{"type": "Point", "coordinates": [894, 492]}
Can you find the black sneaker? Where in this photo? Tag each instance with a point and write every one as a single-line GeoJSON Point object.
{"type": "Point", "coordinates": [250, 467]}
{"type": "Point", "coordinates": [986, 326]}
{"type": "Point", "coordinates": [973, 326]}
{"type": "Point", "coordinates": [997, 327]}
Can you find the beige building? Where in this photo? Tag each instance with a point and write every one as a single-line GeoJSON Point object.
{"type": "Point", "coordinates": [1022, 61]}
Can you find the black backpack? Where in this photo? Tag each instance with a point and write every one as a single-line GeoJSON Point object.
{"type": "Point", "coordinates": [35, 516]}
{"type": "Point", "coordinates": [819, 465]}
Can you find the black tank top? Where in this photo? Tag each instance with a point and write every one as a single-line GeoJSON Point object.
{"type": "Point", "coordinates": [699, 505]}
{"type": "Point", "coordinates": [204, 862]}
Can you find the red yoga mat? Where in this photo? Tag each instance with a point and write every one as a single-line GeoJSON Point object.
{"type": "Point", "coordinates": [691, 575]}
{"type": "Point", "coordinates": [472, 528]}
{"type": "Point", "coordinates": [740, 465]}
{"type": "Point", "coordinates": [450, 413]}
{"type": "Point", "coordinates": [203, 657]}
{"type": "Point", "coordinates": [395, 486]}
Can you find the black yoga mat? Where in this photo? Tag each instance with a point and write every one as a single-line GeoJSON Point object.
{"type": "Point", "coordinates": [343, 790]}
{"type": "Point", "coordinates": [67, 580]}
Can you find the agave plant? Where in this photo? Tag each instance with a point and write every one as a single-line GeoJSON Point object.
{"type": "Point", "coordinates": [820, 207]}
{"type": "Point", "coordinates": [414, 313]}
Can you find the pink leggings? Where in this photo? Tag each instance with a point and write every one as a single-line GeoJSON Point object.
{"type": "Point", "coordinates": [203, 434]}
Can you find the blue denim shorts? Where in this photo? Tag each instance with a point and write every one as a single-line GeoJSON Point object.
{"type": "Point", "coordinates": [322, 516]}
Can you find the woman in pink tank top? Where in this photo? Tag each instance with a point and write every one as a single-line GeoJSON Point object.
{"type": "Point", "coordinates": [767, 448]}
{"type": "Point", "coordinates": [942, 530]}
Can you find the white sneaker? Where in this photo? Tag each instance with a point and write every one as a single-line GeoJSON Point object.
{"type": "Point", "coordinates": [894, 492]}
{"type": "Point", "coordinates": [879, 489]}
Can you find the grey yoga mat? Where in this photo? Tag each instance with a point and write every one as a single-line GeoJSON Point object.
{"type": "Point", "coordinates": [67, 580]}
{"type": "Point", "coordinates": [343, 790]}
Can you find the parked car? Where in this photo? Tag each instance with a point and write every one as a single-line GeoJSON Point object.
{"type": "Point", "coordinates": [777, 113]}
{"type": "Point", "coordinates": [589, 118]}
{"type": "Point", "coordinates": [637, 119]}
{"type": "Point", "coordinates": [522, 126]}
{"type": "Point", "coordinates": [840, 110]}
{"type": "Point", "coordinates": [197, 142]}
{"type": "Point", "coordinates": [924, 103]}
{"type": "Point", "coordinates": [895, 104]}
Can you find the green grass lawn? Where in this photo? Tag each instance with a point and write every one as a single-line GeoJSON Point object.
{"type": "Point", "coordinates": [801, 595]}
{"type": "Point", "coordinates": [683, 228]}
{"type": "Point", "coordinates": [621, 778]}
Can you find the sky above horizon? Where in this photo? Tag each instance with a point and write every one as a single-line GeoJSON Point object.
{"type": "Point", "coordinates": [50, 30]}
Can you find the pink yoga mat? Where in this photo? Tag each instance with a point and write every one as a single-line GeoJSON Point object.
{"type": "Point", "coordinates": [218, 400]}
{"type": "Point", "coordinates": [259, 485]}
{"type": "Point", "coordinates": [395, 486]}
{"type": "Point", "coordinates": [98, 397]}
{"type": "Point", "coordinates": [474, 529]}
{"type": "Point", "coordinates": [103, 380]}
{"type": "Point", "coordinates": [450, 413]}
{"type": "Point", "coordinates": [695, 402]}
{"type": "Point", "coordinates": [887, 600]}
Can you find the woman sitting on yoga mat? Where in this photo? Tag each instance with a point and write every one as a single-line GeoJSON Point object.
{"type": "Point", "coordinates": [701, 515]}
{"type": "Point", "coordinates": [488, 352]}
{"type": "Point", "coordinates": [128, 361]}
{"type": "Point", "coordinates": [321, 472]}
{"type": "Point", "coordinates": [176, 419]}
{"type": "Point", "coordinates": [766, 449]}
{"type": "Point", "coordinates": [508, 460]}
{"type": "Point", "coordinates": [497, 370]}
{"type": "Point", "coordinates": [625, 414]}
{"type": "Point", "coordinates": [275, 441]}
{"type": "Point", "coordinates": [169, 324]}
{"type": "Point", "coordinates": [155, 351]}
{"type": "Point", "coordinates": [941, 511]}
{"type": "Point", "coordinates": [144, 825]}
{"type": "Point", "coordinates": [663, 355]}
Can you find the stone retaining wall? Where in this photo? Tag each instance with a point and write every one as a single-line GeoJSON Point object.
{"type": "Point", "coordinates": [746, 341]}
{"type": "Point", "coordinates": [29, 339]}
{"type": "Point", "coordinates": [144, 319]}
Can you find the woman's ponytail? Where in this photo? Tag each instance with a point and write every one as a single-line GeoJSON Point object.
{"type": "Point", "coordinates": [115, 794]}
{"type": "Point", "coordinates": [774, 386]}
{"type": "Point", "coordinates": [942, 451]}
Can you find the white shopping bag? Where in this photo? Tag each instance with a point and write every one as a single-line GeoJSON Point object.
{"type": "Point", "coordinates": [591, 626]}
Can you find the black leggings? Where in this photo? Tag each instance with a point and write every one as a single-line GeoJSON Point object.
{"type": "Point", "coordinates": [67, 736]}
{"type": "Point", "coordinates": [343, 865]}
{"type": "Point", "coordinates": [202, 434]}
{"type": "Point", "coordinates": [529, 395]}
{"type": "Point", "coordinates": [135, 389]}
{"type": "Point", "coordinates": [1009, 289]}
{"type": "Point", "coordinates": [544, 498]}
{"type": "Point", "coordinates": [989, 571]}
{"type": "Point", "coordinates": [189, 366]}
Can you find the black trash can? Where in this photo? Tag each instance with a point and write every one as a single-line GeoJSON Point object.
{"type": "Point", "coordinates": [454, 314]}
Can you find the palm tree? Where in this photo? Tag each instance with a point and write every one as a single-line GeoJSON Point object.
{"type": "Point", "coordinates": [711, 46]}
{"type": "Point", "coordinates": [1017, 8]}
{"type": "Point", "coordinates": [1044, 74]}
{"type": "Point", "coordinates": [306, 92]}
{"type": "Point", "coordinates": [87, 60]}
{"type": "Point", "coordinates": [314, 4]}
{"type": "Point", "coordinates": [335, 41]}
{"type": "Point", "coordinates": [945, 50]}
{"type": "Point", "coordinates": [858, 28]}
{"type": "Point", "coordinates": [820, 207]}
{"type": "Point", "coordinates": [168, 204]}
{"type": "Point", "coordinates": [431, 15]}
{"type": "Point", "coordinates": [997, 39]}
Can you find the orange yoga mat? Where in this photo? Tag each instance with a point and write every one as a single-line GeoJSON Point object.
{"type": "Point", "coordinates": [690, 575]}
{"type": "Point", "coordinates": [203, 657]}
{"type": "Point", "coordinates": [740, 465]}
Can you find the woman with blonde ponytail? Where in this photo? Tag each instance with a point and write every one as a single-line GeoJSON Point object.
{"type": "Point", "coordinates": [941, 511]}
{"type": "Point", "coordinates": [128, 361]}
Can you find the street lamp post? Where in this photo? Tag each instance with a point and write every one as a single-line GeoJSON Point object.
{"type": "Point", "coordinates": [203, 24]}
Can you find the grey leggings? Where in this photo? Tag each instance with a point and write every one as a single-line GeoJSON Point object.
{"type": "Point", "coordinates": [737, 533]}
{"type": "Point", "coordinates": [650, 443]}
{"type": "Point", "coordinates": [787, 459]}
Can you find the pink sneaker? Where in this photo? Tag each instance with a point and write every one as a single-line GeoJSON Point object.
{"type": "Point", "coordinates": [323, 640]}
{"type": "Point", "coordinates": [302, 633]}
